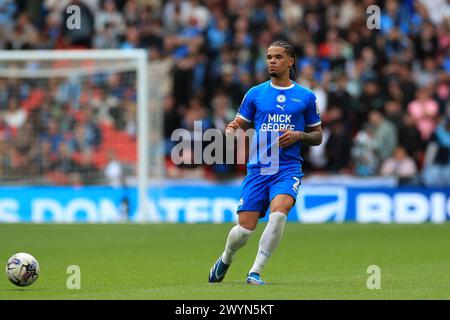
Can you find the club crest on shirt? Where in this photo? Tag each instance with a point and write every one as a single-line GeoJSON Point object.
{"type": "Point", "coordinates": [281, 98]}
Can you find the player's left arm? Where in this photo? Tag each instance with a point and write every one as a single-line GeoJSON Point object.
{"type": "Point", "coordinates": [313, 134]}
{"type": "Point", "coordinates": [313, 137]}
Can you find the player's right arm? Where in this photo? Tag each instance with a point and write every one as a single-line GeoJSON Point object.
{"type": "Point", "coordinates": [245, 114]}
{"type": "Point", "coordinates": [237, 123]}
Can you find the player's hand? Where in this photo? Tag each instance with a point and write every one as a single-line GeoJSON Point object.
{"type": "Point", "coordinates": [288, 137]}
{"type": "Point", "coordinates": [231, 127]}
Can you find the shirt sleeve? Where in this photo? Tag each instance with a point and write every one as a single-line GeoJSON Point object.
{"type": "Point", "coordinates": [247, 109]}
{"type": "Point", "coordinates": [312, 113]}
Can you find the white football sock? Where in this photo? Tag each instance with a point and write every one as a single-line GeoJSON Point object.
{"type": "Point", "coordinates": [237, 238]}
{"type": "Point", "coordinates": [269, 240]}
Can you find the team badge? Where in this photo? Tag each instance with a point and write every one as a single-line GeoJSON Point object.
{"type": "Point", "coordinates": [281, 98]}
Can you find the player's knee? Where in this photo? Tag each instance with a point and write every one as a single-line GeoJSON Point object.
{"type": "Point", "coordinates": [248, 219]}
{"type": "Point", "coordinates": [282, 204]}
{"type": "Point", "coordinates": [248, 224]}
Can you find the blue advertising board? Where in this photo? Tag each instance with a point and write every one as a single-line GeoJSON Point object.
{"type": "Point", "coordinates": [217, 204]}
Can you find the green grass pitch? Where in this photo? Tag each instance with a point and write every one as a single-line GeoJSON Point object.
{"type": "Point", "coordinates": [171, 261]}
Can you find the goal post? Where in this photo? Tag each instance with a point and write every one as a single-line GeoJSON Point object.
{"type": "Point", "coordinates": [149, 81]}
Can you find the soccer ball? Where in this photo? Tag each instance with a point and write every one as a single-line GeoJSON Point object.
{"type": "Point", "coordinates": [22, 269]}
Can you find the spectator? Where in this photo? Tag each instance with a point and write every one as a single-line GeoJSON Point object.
{"type": "Point", "coordinates": [131, 12]}
{"type": "Point", "coordinates": [88, 171]}
{"type": "Point", "coordinates": [397, 46]}
{"type": "Point", "coordinates": [424, 110]}
{"type": "Point", "coordinates": [132, 39]}
{"type": "Point", "coordinates": [114, 170]}
{"type": "Point", "coordinates": [364, 152]}
{"type": "Point", "coordinates": [442, 92]}
{"type": "Point", "coordinates": [427, 46]}
{"type": "Point", "coordinates": [43, 158]}
{"type": "Point", "coordinates": [16, 116]}
{"type": "Point", "coordinates": [340, 97]}
{"type": "Point", "coordinates": [109, 15]}
{"type": "Point", "coordinates": [370, 99]}
{"type": "Point", "coordinates": [393, 112]}
{"type": "Point", "coordinates": [292, 12]}
{"type": "Point", "coordinates": [7, 11]}
{"type": "Point", "coordinates": [222, 111]}
{"type": "Point", "coordinates": [79, 142]}
{"type": "Point", "coordinates": [311, 57]}
{"type": "Point", "coordinates": [172, 121]}
{"type": "Point", "coordinates": [393, 17]}
{"type": "Point", "coordinates": [438, 10]}
{"type": "Point", "coordinates": [151, 30]}
{"type": "Point", "coordinates": [106, 38]}
{"type": "Point", "coordinates": [407, 84]}
{"type": "Point", "coordinates": [23, 36]}
{"type": "Point", "coordinates": [338, 148]}
{"type": "Point", "coordinates": [64, 162]}
{"type": "Point", "coordinates": [175, 14]}
{"type": "Point", "coordinates": [199, 14]}
{"type": "Point", "coordinates": [52, 32]}
{"type": "Point", "coordinates": [396, 94]}
{"type": "Point", "coordinates": [426, 76]}
{"type": "Point", "coordinates": [53, 136]}
{"type": "Point", "coordinates": [219, 34]}
{"type": "Point", "coordinates": [400, 165]}
{"type": "Point", "coordinates": [384, 134]}
{"type": "Point", "coordinates": [409, 137]}
{"type": "Point", "coordinates": [222, 115]}
{"type": "Point", "coordinates": [437, 158]}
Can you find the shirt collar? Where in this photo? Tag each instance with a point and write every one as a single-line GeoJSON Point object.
{"type": "Point", "coordinates": [281, 88]}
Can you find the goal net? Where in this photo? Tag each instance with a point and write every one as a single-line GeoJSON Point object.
{"type": "Point", "coordinates": [81, 117]}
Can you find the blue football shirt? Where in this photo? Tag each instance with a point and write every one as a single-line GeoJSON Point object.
{"type": "Point", "coordinates": [272, 108]}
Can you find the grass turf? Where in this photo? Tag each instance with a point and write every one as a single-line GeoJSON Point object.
{"type": "Point", "coordinates": [170, 261]}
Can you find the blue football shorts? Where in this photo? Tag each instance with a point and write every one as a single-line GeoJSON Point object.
{"type": "Point", "coordinates": [257, 190]}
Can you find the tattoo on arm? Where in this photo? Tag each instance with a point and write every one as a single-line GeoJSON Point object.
{"type": "Point", "coordinates": [313, 138]}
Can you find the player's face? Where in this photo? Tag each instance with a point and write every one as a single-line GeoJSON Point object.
{"type": "Point", "coordinates": [278, 62]}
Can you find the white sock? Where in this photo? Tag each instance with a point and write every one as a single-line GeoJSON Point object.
{"type": "Point", "coordinates": [269, 240]}
{"type": "Point", "coordinates": [237, 238]}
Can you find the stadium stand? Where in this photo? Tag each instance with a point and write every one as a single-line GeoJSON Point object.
{"type": "Point", "coordinates": [384, 94]}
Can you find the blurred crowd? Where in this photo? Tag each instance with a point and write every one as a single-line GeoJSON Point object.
{"type": "Point", "coordinates": [53, 131]}
{"type": "Point", "coordinates": [383, 93]}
